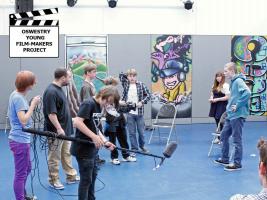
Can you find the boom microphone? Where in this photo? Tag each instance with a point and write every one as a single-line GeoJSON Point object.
{"type": "Point", "coordinates": [55, 135]}
{"type": "Point", "coordinates": [167, 153]}
{"type": "Point", "coordinates": [170, 149]}
{"type": "Point", "coordinates": [63, 137]}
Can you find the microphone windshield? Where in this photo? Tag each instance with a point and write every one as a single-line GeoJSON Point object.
{"type": "Point", "coordinates": [112, 111]}
{"type": "Point", "coordinates": [170, 149]}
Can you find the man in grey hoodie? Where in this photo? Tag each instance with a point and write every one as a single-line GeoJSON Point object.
{"type": "Point", "coordinates": [237, 112]}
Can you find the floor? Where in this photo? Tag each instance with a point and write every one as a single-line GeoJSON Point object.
{"type": "Point", "coordinates": [189, 174]}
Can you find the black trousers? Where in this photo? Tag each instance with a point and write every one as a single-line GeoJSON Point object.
{"type": "Point", "coordinates": [121, 135]}
{"type": "Point", "coordinates": [88, 173]}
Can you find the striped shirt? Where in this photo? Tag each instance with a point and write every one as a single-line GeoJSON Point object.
{"type": "Point", "coordinates": [143, 93]}
{"type": "Point", "coordinates": [261, 196]}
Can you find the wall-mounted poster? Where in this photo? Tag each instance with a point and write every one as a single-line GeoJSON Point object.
{"type": "Point", "coordinates": [82, 50]}
{"type": "Point", "coordinates": [250, 53]}
{"type": "Point", "coordinates": [172, 73]}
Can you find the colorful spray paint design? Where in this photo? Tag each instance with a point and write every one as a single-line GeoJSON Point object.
{"type": "Point", "coordinates": [171, 73]}
{"type": "Point", "coordinates": [250, 53]}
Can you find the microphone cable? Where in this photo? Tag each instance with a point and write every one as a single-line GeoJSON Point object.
{"type": "Point", "coordinates": [43, 146]}
{"type": "Point", "coordinates": [38, 121]}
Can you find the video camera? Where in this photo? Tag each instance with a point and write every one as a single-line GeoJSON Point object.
{"type": "Point", "coordinates": [123, 75]}
{"type": "Point", "coordinates": [116, 114]}
{"type": "Point", "coordinates": [115, 117]}
{"type": "Point", "coordinates": [127, 107]}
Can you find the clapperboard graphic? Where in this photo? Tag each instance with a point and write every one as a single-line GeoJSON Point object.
{"type": "Point", "coordinates": [30, 38]}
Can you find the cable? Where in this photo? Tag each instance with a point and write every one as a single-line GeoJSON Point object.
{"type": "Point", "coordinates": [36, 158]}
{"type": "Point", "coordinates": [38, 121]}
{"type": "Point", "coordinates": [103, 185]}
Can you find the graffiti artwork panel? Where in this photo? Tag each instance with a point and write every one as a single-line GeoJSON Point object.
{"type": "Point", "coordinates": [82, 50]}
{"type": "Point", "coordinates": [172, 73]}
{"type": "Point", "coordinates": [250, 53]}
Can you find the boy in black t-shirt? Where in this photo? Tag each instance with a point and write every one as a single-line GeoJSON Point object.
{"type": "Point", "coordinates": [86, 153]}
{"type": "Point", "coordinates": [88, 90]}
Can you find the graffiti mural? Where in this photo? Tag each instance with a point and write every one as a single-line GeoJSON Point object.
{"type": "Point", "coordinates": [172, 73]}
{"type": "Point", "coordinates": [82, 50]}
{"type": "Point", "coordinates": [250, 53]}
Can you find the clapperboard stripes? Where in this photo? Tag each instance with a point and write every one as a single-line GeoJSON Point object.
{"type": "Point", "coordinates": [29, 37]}
{"type": "Point", "coordinates": [20, 19]}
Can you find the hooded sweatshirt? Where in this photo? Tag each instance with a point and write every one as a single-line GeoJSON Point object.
{"type": "Point", "coordinates": [240, 94]}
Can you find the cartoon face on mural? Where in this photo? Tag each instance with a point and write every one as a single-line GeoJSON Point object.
{"type": "Point", "coordinates": [171, 62]}
{"type": "Point", "coordinates": [250, 54]}
{"type": "Point", "coordinates": [173, 79]}
{"type": "Point", "coordinates": [170, 82]}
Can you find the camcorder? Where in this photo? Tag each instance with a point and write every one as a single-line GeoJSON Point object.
{"type": "Point", "coordinates": [115, 117]}
{"type": "Point", "coordinates": [123, 75]}
{"type": "Point", "coordinates": [127, 107]}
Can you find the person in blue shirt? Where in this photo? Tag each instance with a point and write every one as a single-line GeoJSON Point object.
{"type": "Point", "coordinates": [237, 111]}
{"type": "Point", "coordinates": [19, 113]}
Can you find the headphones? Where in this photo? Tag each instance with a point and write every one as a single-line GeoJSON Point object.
{"type": "Point", "coordinates": [184, 71]}
{"type": "Point", "coordinates": [174, 67]}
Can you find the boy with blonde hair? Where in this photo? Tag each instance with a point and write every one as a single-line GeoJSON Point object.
{"type": "Point", "coordinates": [136, 92]}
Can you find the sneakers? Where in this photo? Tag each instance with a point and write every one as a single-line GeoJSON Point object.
{"type": "Point", "coordinates": [132, 154]}
{"type": "Point", "coordinates": [220, 162]}
{"type": "Point", "coordinates": [232, 167]}
{"type": "Point", "coordinates": [27, 197]}
{"type": "Point", "coordinates": [57, 185]}
{"type": "Point", "coordinates": [115, 161]}
{"type": "Point", "coordinates": [73, 180]}
{"type": "Point", "coordinates": [144, 150]}
{"type": "Point", "coordinates": [129, 159]}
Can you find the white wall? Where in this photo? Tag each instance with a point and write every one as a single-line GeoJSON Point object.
{"type": "Point", "coordinates": [209, 17]}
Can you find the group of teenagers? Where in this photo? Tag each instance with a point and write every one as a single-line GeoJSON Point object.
{"type": "Point", "coordinates": [58, 119]}
{"type": "Point", "coordinates": [232, 99]}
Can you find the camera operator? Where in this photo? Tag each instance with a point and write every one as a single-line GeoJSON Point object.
{"type": "Point", "coordinates": [116, 125]}
{"type": "Point", "coordinates": [136, 92]}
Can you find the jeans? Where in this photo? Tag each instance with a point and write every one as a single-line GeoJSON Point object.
{"type": "Point", "coordinates": [22, 160]}
{"type": "Point", "coordinates": [232, 127]}
{"type": "Point", "coordinates": [88, 173]}
{"type": "Point", "coordinates": [136, 122]}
